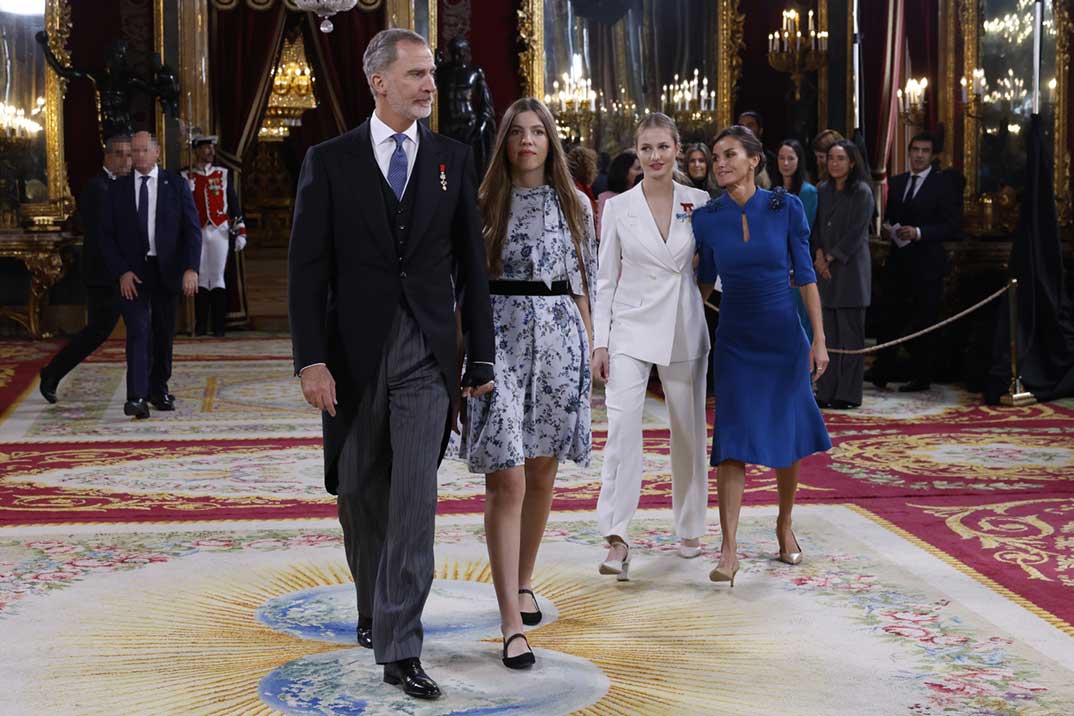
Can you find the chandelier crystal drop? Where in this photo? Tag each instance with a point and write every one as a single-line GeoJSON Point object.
{"type": "Point", "coordinates": [324, 9]}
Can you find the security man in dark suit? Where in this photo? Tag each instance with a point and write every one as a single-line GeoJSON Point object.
{"type": "Point", "coordinates": [924, 210]}
{"type": "Point", "coordinates": [102, 291]}
{"type": "Point", "coordinates": [151, 241]}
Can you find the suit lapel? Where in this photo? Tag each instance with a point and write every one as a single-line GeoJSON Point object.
{"type": "Point", "coordinates": [427, 173]}
{"type": "Point", "coordinates": [680, 230]}
{"type": "Point", "coordinates": [163, 194]}
{"type": "Point", "coordinates": [367, 179]}
{"type": "Point", "coordinates": [645, 226]}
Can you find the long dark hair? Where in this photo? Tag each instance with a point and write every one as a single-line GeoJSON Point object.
{"type": "Point", "coordinates": [709, 182]}
{"type": "Point", "coordinates": [800, 176]}
{"type": "Point", "coordinates": [857, 174]}
{"type": "Point", "coordinates": [618, 170]}
{"type": "Point", "coordinates": [494, 195]}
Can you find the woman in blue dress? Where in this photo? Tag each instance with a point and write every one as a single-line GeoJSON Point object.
{"type": "Point", "coordinates": [790, 160]}
{"type": "Point", "coordinates": [752, 239]}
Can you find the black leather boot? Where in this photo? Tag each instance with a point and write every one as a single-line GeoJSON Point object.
{"type": "Point", "coordinates": [201, 312]}
{"type": "Point", "coordinates": [218, 304]}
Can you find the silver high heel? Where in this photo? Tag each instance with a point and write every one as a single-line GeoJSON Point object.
{"type": "Point", "coordinates": [619, 567]}
{"type": "Point", "coordinates": [792, 557]}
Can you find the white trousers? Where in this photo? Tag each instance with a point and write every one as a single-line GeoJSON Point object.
{"type": "Point", "coordinates": [214, 248]}
{"type": "Point", "coordinates": [620, 489]}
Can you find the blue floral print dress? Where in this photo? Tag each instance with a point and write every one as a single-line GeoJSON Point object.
{"type": "Point", "coordinates": [541, 403]}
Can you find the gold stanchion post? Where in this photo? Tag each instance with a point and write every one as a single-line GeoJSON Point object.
{"type": "Point", "coordinates": [1016, 395]}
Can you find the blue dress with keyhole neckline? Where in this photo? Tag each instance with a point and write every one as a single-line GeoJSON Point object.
{"type": "Point", "coordinates": [765, 410]}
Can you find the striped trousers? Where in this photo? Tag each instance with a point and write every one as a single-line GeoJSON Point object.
{"type": "Point", "coordinates": [387, 489]}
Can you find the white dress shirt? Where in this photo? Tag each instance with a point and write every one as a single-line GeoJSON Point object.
{"type": "Point", "coordinates": [384, 145]}
{"type": "Point", "coordinates": [152, 187]}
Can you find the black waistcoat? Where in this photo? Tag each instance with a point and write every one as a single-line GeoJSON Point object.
{"type": "Point", "coordinates": [400, 213]}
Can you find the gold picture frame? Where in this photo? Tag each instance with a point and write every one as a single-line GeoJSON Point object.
{"type": "Point", "coordinates": [49, 215]}
{"type": "Point", "coordinates": [969, 14]}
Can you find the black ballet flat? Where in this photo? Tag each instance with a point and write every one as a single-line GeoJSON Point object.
{"type": "Point", "coordinates": [531, 618]}
{"type": "Point", "coordinates": [522, 661]}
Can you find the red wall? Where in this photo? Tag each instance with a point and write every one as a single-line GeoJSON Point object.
{"type": "Point", "coordinates": [95, 25]}
{"type": "Point", "coordinates": [494, 45]}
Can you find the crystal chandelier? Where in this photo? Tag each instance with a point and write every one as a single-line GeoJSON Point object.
{"type": "Point", "coordinates": [324, 9]}
{"type": "Point", "coordinates": [292, 92]}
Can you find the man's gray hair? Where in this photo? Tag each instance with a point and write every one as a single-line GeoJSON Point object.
{"type": "Point", "coordinates": [381, 51]}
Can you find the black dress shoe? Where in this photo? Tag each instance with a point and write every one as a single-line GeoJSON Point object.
{"type": "Point", "coordinates": [521, 661]}
{"type": "Point", "coordinates": [48, 387]}
{"type": "Point", "coordinates": [531, 618]}
{"type": "Point", "coordinates": [365, 633]}
{"type": "Point", "coordinates": [844, 405]}
{"type": "Point", "coordinates": [163, 402]}
{"type": "Point", "coordinates": [136, 408]}
{"type": "Point", "coordinates": [822, 403]}
{"type": "Point", "coordinates": [879, 380]}
{"type": "Point", "coordinates": [914, 386]}
{"type": "Point", "coordinates": [409, 674]}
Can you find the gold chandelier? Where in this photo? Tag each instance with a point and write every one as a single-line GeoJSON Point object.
{"type": "Point", "coordinates": [292, 92]}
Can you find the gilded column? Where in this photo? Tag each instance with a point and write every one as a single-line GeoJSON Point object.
{"type": "Point", "coordinates": [531, 37]}
{"type": "Point", "coordinates": [195, 103]}
{"type": "Point", "coordinates": [968, 17]}
{"type": "Point", "coordinates": [1064, 27]}
{"type": "Point", "coordinates": [730, 46]}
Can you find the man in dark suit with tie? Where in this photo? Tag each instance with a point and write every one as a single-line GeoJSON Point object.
{"type": "Point", "coordinates": [386, 240]}
{"type": "Point", "coordinates": [924, 209]}
{"type": "Point", "coordinates": [151, 242]}
{"type": "Point", "coordinates": [102, 291]}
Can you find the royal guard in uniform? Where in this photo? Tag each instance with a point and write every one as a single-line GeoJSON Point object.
{"type": "Point", "coordinates": [221, 219]}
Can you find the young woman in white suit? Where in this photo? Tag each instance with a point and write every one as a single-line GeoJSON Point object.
{"type": "Point", "coordinates": [648, 312]}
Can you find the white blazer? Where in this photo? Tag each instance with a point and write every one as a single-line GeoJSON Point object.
{"type": "Point", "coordinates": [648, 303]}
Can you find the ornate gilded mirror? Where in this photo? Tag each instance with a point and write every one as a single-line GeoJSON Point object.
{"type": "Point", "coordinates": [33, 179]}
{"type": "Point", "coordinates": [600, 65]}
{"type": "Point", "coordinates": [998, 68]}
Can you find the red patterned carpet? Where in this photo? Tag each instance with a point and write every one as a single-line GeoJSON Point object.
{"type": "Point", "coordinates": [990, 490]}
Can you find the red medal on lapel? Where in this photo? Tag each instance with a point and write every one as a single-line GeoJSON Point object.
{"type": "Point", "coordinates": [443, 177]}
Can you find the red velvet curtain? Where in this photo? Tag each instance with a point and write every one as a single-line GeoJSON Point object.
{"type": "Point", "coordinates": [243, 44]}
{"type": "Point", "coordinates": [923, 46]}
{"type": "Point", "coordinates": [883, 49]}
{"type": "Point", "coordinates": [337, 64]}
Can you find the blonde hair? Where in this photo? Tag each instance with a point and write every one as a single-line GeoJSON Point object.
{"type": "Point", "coordinates": [657, 120]}
{"type": "Point", "coordinates": [494, 195]}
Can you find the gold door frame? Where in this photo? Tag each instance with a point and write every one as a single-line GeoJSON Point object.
{"type": "Point", "coordinates": [968, 12]}
{"type": "Point", "coordinates": [49, 215]}
{"type": "Point", "coordinates": [400, 13]}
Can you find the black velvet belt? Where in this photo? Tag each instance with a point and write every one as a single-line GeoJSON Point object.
{"type": "Point", "coordinates": [528, 288]}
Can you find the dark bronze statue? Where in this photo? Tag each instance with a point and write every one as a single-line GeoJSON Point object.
{"type": "Point", "coordinates": [116, 84]}
{"type": "Point", "coordinates": [466, 111]}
